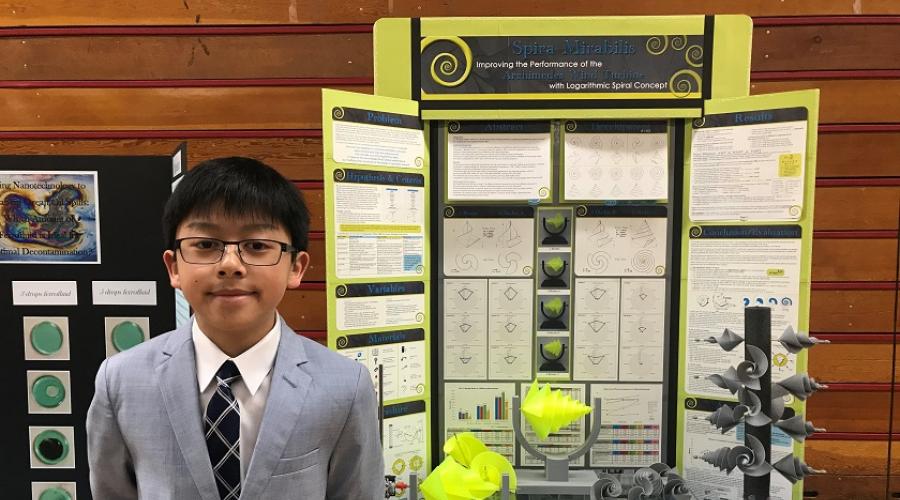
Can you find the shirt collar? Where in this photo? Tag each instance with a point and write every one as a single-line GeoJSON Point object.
{"type": "Point", "coordinates": [254, 363]}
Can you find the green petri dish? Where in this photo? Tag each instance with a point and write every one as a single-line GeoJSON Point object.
{"type": "Point", "coordinates": [48, 391]}
{"type": "Point", "coordinates": [55, 493]}
{"type": "Point", "coordinates": [51, 447]}
{"type": "Point", "coordinates": [46, 338]}
{"type": "Point", "coordinates": [126, 335]}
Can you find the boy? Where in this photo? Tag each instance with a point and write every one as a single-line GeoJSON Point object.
{"type": "Point", "coordinates": [234, 404]}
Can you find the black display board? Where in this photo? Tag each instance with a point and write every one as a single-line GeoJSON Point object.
{"type": "Point", "coordinates": [132, 192]}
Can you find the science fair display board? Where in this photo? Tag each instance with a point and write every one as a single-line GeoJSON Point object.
{"type": "Point", "coordinates": [80, 253]}
{"type": "Point", "coordinates": [523, 183]}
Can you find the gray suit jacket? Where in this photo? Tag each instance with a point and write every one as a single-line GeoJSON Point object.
{"type": "Point", "coordinates": [318, 437]}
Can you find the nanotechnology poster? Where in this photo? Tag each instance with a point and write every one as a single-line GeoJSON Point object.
{"type": "Point", "coordinates": [49, 217]}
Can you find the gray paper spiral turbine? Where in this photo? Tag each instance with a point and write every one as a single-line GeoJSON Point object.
{"type": "Point", "coordinates": [793, 469]}
{"type": "Point", "coordinates": [754, 416]}
{"type": "Point", "coordinates": [750, 371]}
{"type": "Point", "coordinates": [607, 486]}
{"type": "Point", "coordinates": [728, 380]}
{"type": "Point", "coordinates": [801, 385]}
{"type": "Point", "coordinates": [797, 428]}
{"type": "Point", "coordinates": [726, 418]}
{"type": "Point", "coordinates": [751, 461]}
{"type": "Point", "coordinates": [795, 343]}
{"type": "Point", "coordinates": [777, 407]}
{"type": "Point", "coordinates": [647, 484]}
{"type": "Point", "coordinates": [727, 341]}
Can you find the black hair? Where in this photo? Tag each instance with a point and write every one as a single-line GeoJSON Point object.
{"type": "Point", "coordinates": [239, 187]}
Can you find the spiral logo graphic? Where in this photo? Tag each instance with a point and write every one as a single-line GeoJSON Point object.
{"type": "Point", "coordinates": [543, 192]}
{"type": "Point", "coordinates": [643, 261]}
{"type": "Point", "coordinates": [657, 45]}
{"type": "Point", "coordinates": [696, 231]}
{"type": "Point", "coordinates": [448, 212]}
{"type": "Point", "coordinates": [694, 56]}
{"type": "Point", "coordinates": [599, 261]}
{"type": "Point", "coordinates": [683, 82]}
{"type": "Point", "coordinates": [794, 211]}
{"type": "Point", "coordinates": [690, 403]}
{"type": "Point", "coordinates": [342, 342]}
{"type": "Point", "coordinates": [571, 126]}
{"type": "Point", "coordinates": [445, 65]}
{"type": "Point", "coordinates": [419, 161]}
{"type": "Point", "coordinates": [660, 270]}
{"type": "Point", "coordinates": [679, 42]}
{"type": "Point", "coordinates": [581, 211]}
{"type": "Point", "coordinates": [420, 269]}
{"type": "Point", "coordinates": [420, 316]}
{"type": "Point", "coordinates": [699, 122]}
{"type": "Point", "coordinates": [339, 175]}
{"type": "Point", "coordinates": [337, 113]}
{"type": "Point", "coordinates": [454, 127]}
{"type": "Point", "coordinates": [526, 270]}
{"type": "Point", "coordinates": [341, 290]}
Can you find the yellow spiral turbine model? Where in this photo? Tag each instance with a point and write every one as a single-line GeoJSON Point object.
{"type": "Point", "coordinates": [470, 471]}
{"type": "Point", "coordinates": [550, 410]}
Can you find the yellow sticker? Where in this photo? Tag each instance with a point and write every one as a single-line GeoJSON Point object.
{"type": "Point", "coordinates": [789, 165]}
{"type": "Point", "coordinates": [775, 272]}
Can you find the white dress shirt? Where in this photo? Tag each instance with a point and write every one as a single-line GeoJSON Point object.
{"type": "Point", "coordinates": [251, 391]}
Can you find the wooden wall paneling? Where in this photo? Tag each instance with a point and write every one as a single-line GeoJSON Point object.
{"type": "Point", "coordinates": [826, 47]}
{"type": "Point", "coordinates": [301, 55]}
{"type": "Point", "coordinates": [304, 309]}
{"type": "Point", "coordinates": [842, 487]}
{"type": "Point", "coordinates": [851, 363]}
{"type": "Point", "coordinates": [316, 270]}
{"type": "Point", "coordinates": [851, 311]}
{"type": "Point", "coordinates": [847, 100]}
{"type": "Point", "coordinates": [868, 456]}
{"type": "Point", "coordinates": [297, 158]}
{"type": "Point", "coordinates": [850, 410]}
{"type": "Point", "coordinates": [203, 108]}
{"type": "Point", "coordinates": [854, 259]}
{"type": "Point", "coordinates": [189, 12]}
{"type": "Point", "coordinates": [856, 208]}
{"type": "Point", "coordinates": [315, 202]}
{"type": "Point", "coordinates": [858, 154]}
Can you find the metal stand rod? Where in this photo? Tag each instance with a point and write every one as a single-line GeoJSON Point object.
{"type": "Point", "coordinates": [758, 333]}
{"type": "Point", "coordinates": [413, 491]}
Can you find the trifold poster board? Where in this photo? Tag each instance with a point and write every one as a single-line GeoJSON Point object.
{"type": "Point", "coordinates": [379, 261]}
{"type": "Point", "coordinates": [82, 280]}
{"type": "Point", "coordinates": [513, 205]}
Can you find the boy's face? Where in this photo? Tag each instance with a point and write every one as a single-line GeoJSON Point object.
{"type": "Point", "coordinates": [230, 297]}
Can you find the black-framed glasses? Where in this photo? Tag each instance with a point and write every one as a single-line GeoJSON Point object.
{"type": "Point", "coordinates": [252, 252]}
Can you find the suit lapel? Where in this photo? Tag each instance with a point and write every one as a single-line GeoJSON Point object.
{"type": "Point", "coordinates": [287, 395]}
{"type": "Point", "coordinates": [178, 383]}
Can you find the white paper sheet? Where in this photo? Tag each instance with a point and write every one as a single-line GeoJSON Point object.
{"type": "Point", "coordinates": [748, 172]}
{"type": "Point", "coordinates": [631, 425]}
{"type": "Point", "coordinates": [642, 330]}
{"type": "Point", "coordinates": [619, 246]}
{"type": "Point", "coordinates": [510, 326]}
{"type": "Point", "coordinates": [498, 167]}
{"type": "Point", "coordinates": [489, 247]}
{"type": "Point", "coordinates": [379, 230]}
{"type": "Point", "coordinates": [465, 329]}
{"type": "Point", "coordinates": [484, 409]}
{"type": "Point", "coordinates": [616, 166]}
{"type": "Point", "coordinates": [596, 326]}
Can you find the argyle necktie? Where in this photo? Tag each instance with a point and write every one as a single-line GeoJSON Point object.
{"type": "Point", "coordinates": [222, 424]}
